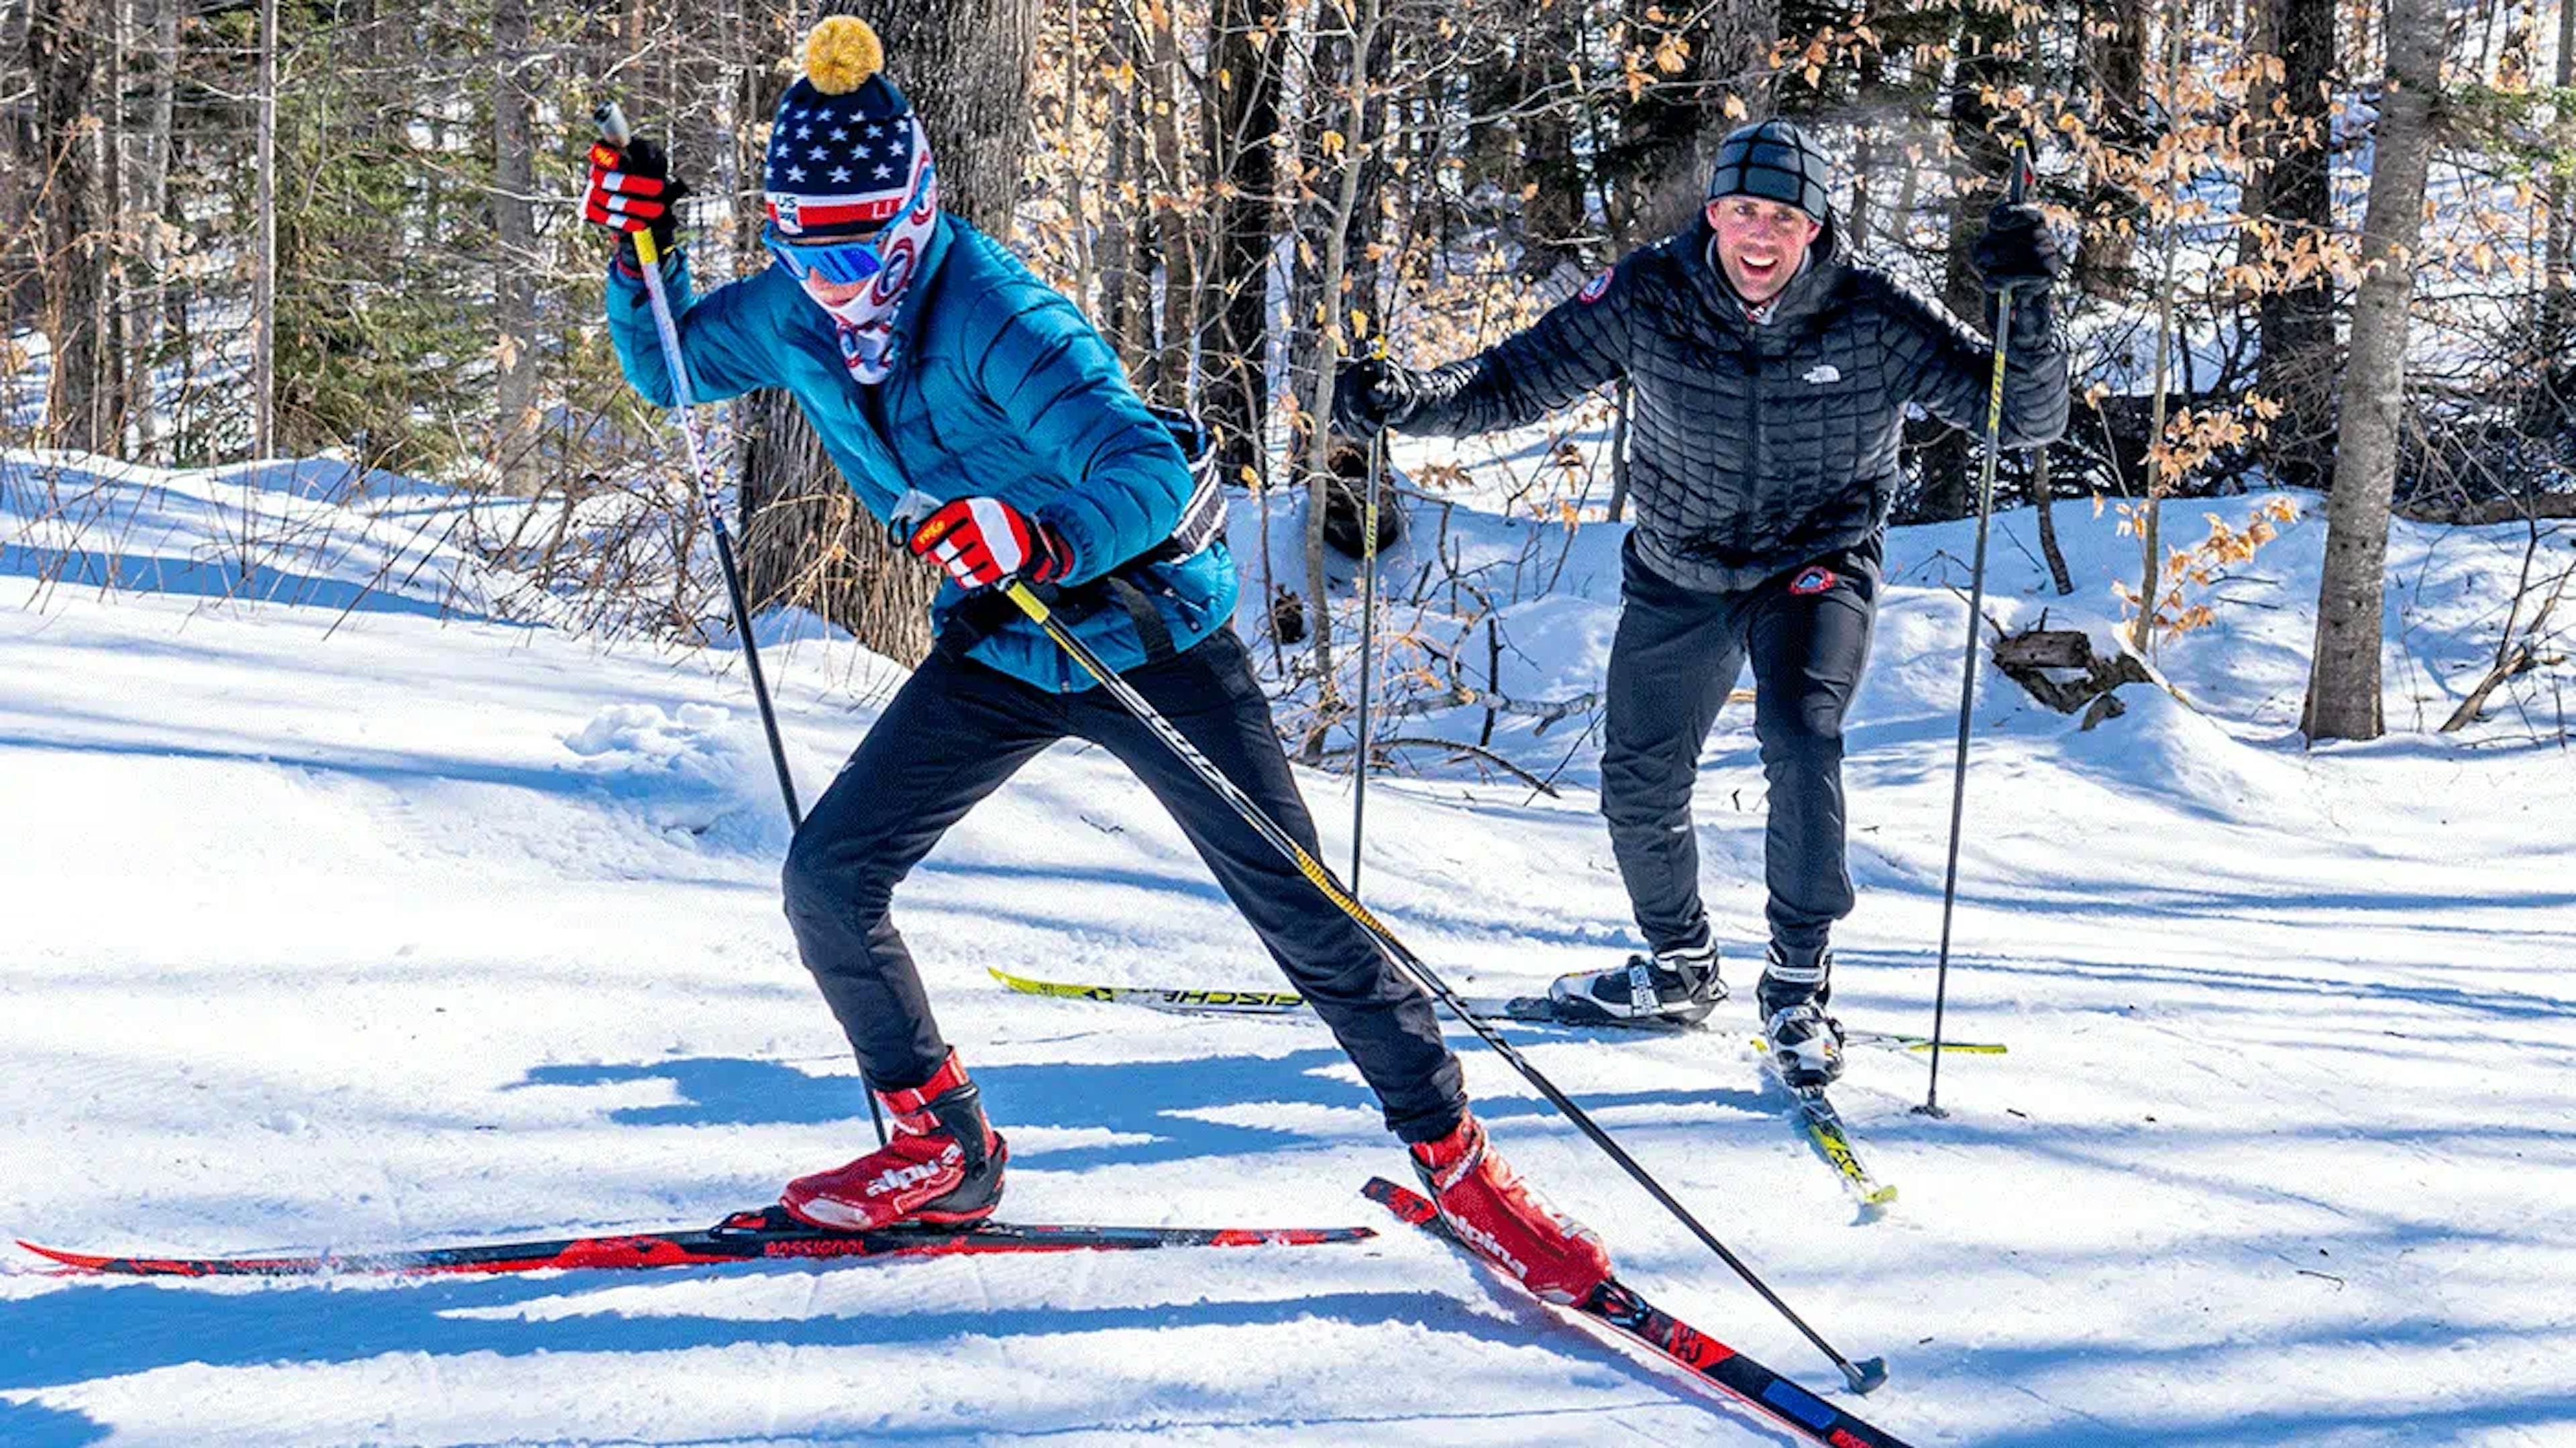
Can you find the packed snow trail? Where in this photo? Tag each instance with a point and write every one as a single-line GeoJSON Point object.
{"type": "Point", "coordinates": [411, 931]}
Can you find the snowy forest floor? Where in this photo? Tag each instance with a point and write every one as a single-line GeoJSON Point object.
{"type": "Point", "coordinates": [331, 921]}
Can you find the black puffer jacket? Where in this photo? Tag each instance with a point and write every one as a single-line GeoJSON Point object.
{"type": "Point", "coordinates": [1756, 447]}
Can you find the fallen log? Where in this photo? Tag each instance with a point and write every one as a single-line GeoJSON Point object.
{"type": "Point", "coordinates": [2057, 666]}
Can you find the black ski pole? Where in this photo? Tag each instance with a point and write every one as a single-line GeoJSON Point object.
{"type": "Point", "coordinates": [1862, 1376]}
{"type": "Point", "coordinates": [1368, 643]}
{"type": "Point", "coordinates": [614, 130]}
{"type": "Point", "coordinates": [2014, 191]}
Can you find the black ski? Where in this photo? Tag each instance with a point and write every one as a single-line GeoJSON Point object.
{"type": "Point", "coordinates": [767, 1234]}
{"type": "Point", "coordinates": [1533, 1010]}
{"type": "Point", "coordinates": [1618, 1307]}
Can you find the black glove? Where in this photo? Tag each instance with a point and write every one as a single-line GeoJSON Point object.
{"type": "Point", "coordinates": [1373, 394]}
{"type": "Point", "coordinates": [632, 191]}
{"type": "Point", "coordinates": [2019, 250]}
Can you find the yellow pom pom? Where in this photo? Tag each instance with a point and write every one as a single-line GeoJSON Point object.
{"type": "Point", "coordinates": [841, 53]}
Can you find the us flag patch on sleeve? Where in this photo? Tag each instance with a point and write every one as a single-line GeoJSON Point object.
{"type": "Point", "coordinates": [1597, 288]}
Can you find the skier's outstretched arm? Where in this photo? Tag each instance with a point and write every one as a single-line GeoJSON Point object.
{"type": "Point", "coordinates": [1580, 344]}
{"type": "Point", "coordinates": [1948, 368]}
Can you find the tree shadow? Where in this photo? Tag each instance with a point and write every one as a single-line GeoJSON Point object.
{"type": "Point", "coordinates": [1158, 1109]}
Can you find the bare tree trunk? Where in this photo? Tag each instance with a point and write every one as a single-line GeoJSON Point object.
{"type": "Point", "coordinates": [2151, 517]}
{"type": "Point", "coordinates": [965, 64]}
{"type": "Point", "coordinates": [1669, 141]}
{"type": "Point", "coordinates": [62, 63]}
{"type": "Point", "coordinates": [2556, 397]}
{"type": "Point", "coordinates": [515, 267]}
{"type": "Point", "coordinates": [107, 319]}
{"type": "Point", "coordinates": [147, 296]}
{"type": "Point", "coordinates": [2105, 251]}
{"type": "Point", "coordinates": [1554, 221]}
{"type": "Point", "coordinates": [1358, 42]}
{"type": "Point", "coordinates": [2043, 497]}
{"type": "Point", "coordinates": [1085, 255]}
{"type": "Point", "coordinates": [1120, 248]}
{"type": "Point", "coordinates": [2298, 322]}
{"type": "Point", "coordinates": [263, 303]}
{"type": "Point", "coordinates": [1983, 66]}
{"type": "Point", "coordinates": [2343, 700]}
{"type": "Point", "coordinates": [1174, 235]}
{"type": "Point", "coordinates": [1246, 40]}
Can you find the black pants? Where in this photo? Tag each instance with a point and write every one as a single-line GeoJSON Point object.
{"type": "Point", "coordinates": [957, 730]}
{"type": "Point", "coordinates": [1674, 659]}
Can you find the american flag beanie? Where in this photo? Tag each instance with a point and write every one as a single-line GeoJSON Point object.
{"type": "Point", "coordinates": [847, 156]}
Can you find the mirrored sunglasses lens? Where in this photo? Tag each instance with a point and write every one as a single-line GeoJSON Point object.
{"type": "Point", "coordinates": [855, 262]}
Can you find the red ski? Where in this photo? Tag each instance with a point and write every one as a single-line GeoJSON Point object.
{"type": "Point", "coordinates": [768, 1234]}
{"type": "Point", "coordinates": [1638, 1321]}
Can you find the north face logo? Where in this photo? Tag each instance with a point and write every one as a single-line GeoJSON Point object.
{"type": "Point", "coordinates": [1822, 373]}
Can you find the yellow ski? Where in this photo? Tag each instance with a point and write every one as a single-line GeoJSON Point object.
{"type": "Point", "coordinates": [1825, 1128]}
{"type": "Point", "coordinates": [1243, 1002]}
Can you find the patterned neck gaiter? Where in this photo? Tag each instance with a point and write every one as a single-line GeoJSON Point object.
{"type": "Point", "coordinates": [866, 322]}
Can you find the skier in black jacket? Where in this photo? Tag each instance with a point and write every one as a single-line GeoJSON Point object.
{"type": "Point", "coordinates": [1771, 379]}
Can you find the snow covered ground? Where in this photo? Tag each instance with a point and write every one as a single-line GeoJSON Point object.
{"type": "Point", "coordinates": [333, 922]}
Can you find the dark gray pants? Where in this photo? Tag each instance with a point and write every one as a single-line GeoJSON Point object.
{"type": "Point", "coordinates": [957, 730]}
{"type": "Point", "coordinates": [1672, 663]}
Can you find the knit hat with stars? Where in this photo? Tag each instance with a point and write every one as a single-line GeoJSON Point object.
{"type": "Point", "coordinates": [846, 153]}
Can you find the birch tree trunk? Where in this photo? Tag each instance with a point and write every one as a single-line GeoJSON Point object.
{"type": "Point", "coordinates": [2556, 399]}
{"type": "Point", "coordinates": [2343, 700]}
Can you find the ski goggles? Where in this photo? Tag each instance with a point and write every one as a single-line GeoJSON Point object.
{"type": "Point", "coordinates": [843, 262]}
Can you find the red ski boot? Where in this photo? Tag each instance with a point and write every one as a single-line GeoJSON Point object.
{"type": "Point", "coordinates": [943, 1166]}
{"type": "Point", "coordinates": [1490, 1209]}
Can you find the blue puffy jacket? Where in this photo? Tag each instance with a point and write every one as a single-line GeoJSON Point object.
{"type": "Point", "coordinates": [999, 388]}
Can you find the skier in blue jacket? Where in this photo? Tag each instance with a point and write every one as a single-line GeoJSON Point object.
{"type": "Point", "coordinates": [960, 395]}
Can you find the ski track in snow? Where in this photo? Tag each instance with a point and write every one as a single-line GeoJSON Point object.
{"type": "Point", "coordinates": [430, 931]}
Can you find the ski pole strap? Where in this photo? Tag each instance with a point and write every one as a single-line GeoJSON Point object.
{"type": "Point", "coordinates": [1150, 628]}
{"type": "Point", "coordinates": [981, 615]}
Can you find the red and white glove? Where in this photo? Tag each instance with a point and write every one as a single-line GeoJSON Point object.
{"type": "Point", "coordinates": [982, 541]}
{"type": "Point", "coordinates": [632, 191]}
{"type": "Point", "coordinates": [1490, 1209]}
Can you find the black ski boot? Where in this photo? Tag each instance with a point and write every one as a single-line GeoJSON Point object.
{"type": "Point", "coordinates": [1678, 987]}
{"type": "Point", "coordinates": [1806, 1044]}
